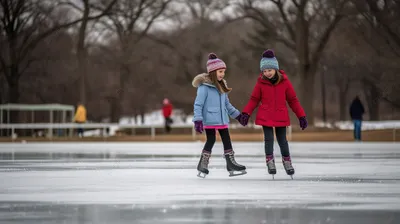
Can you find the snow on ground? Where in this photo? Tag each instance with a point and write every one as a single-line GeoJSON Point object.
{"type": "Point", "coordinates": [156, 118]}
{"type": "Point", "coordinates": [366, 125]}
{"type": "Point", "coordinates": [153, 180]}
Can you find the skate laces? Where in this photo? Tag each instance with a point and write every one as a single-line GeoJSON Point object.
{"type": "Point", "coordinates": [287, 164]}
{"type": "Point", "coordinates": [204, 159]}
{"type": "Point", "coordinates": [232, 158]}
{"type": "Point", "coordinates": [271, 164]}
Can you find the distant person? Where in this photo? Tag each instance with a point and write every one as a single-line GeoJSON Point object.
{"type": "Point", "coordinates": [167, 112]}
{"type": "Point", "coordinates": [80, 118]}
{"type": "Point", "coordinates": [356, 113]}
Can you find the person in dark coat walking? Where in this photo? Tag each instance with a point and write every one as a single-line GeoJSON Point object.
{"type": "Point", "coordinates": [356, 114]}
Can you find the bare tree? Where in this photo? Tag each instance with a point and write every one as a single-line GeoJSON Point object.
{"type": "Point", "coordinates": [384, 17]}
{"type": "Point", "coordinates": [26, 23]}
{"type": "Point", "coordinates": [304, 26]}
{"type": "Point", "coordinates": [86, 8]}
{"type": "Point", "coordinates": [130, 21]}
{"type": "Point", "coordinates": [379, 24]}
{"type": "Point", "coordinates": [196, 34]}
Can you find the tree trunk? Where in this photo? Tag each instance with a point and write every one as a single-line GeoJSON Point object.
{"type": "Point", "coordinates": [113, 109]}
{"type": "Point", "coordinates": [123, 78]}
{"type": "Point", "coordinates": [13, 91]}
{"type": "Point", "coordinates": [1, 93]}
{"type": "Point", "coordinates": [82, 53]}
{"type": "Point", "coordinates": [342, 105]}
{"type": "Point", "coordinates": [323, 92]}
{"type": "Point", "coordinates": [305, 70]}
{"type": "Point", "coordinates": [82, 76]}
{"type": "Point", "coordinates": [306, 91]}
{"type": "Point", "coordinates": [373, 97]}
{"type": "Point", "coordinates": [14, 96]}
{"type": "Point", "coordinates": [343, 82]}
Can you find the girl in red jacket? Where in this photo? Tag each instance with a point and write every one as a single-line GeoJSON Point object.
{"type": "Point", "coordinates": [273, 89]}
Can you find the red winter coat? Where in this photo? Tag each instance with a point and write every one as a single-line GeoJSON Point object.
{"type": "Point", "coordinates": [167, 110]}
{"type": "Point", "coordinates": [273, 111]}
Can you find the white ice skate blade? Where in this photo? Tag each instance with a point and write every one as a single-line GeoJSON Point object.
{"type": "Point", "coordinates": [233, 174]}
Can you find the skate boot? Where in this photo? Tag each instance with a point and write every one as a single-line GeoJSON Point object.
{"type": "Point", "coordinates": [271, 165]}
{"type": "Point", "coordinates": [232, 165]}
{"type": "Point", "coordinates": [287, 164]}
{"type": "Point", "coordinates": [202, 167]}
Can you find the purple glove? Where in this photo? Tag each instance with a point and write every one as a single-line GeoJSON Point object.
{"type": "Point", "coordinates": [239, 117]}
{"type": "Point", "coordinates": [303, 123]}
{"type": "Point", "coordinates": [198, 126]}
{"type": "Point", "coordinates": [244, 119]}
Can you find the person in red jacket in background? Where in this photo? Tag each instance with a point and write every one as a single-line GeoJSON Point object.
{"type": "Point", "coordinates": [167, 112]}
{"type": "Point", "coordinates": [273, 89]}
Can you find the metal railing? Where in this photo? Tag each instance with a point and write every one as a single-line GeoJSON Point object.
{"type": "Point", "coordinates": [50, 127]}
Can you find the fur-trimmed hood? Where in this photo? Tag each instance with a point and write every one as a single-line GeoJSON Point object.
{"type": "Point", "coordinates": [201, 79]}
{"type": "Point", "coordinates": [204, 78]}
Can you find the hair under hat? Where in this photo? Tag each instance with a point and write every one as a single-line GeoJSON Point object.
{"type": "Point", "coordinates": [269, 61]}
{"type": "Point", "coordinates": [214, 63]}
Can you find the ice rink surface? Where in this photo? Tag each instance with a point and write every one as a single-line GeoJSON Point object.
{"type": "Point", "coordinates": [157, 183]}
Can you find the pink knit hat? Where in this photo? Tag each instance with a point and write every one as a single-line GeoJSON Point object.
{"type": "Point", "coordinates": [214, 63]}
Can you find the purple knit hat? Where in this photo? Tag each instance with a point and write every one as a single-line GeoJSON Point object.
{"type": "Point", "coordinates": [214, 63]}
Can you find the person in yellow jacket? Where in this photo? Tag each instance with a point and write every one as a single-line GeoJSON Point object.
{"type": "Point", "coordinates": [80, 117]}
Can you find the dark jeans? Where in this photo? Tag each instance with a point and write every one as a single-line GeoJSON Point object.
{"type": "Point", "coordinates": [357, 129]}
{"type": "Point", "coordinates": [280, 133]}
{"type": "Point", "coordinates": [168, 122]}
{"type": "Point", "coordinates": [80, 130]}
{"type": "Point", "coordinates": [226, 139]}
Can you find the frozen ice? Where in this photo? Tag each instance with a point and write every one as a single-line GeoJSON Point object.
{"type": "Point", "coordinates": [157, 183]}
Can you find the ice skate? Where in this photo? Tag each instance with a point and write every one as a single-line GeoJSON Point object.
{"type": "Point", "coordinates": [202, 167]}
{"type": "Point", "coordinates": [271, 165]}
{"type": "Point", "coordinates": [287, 164]}
{"type": "Point", "coordinates": [232, 165]}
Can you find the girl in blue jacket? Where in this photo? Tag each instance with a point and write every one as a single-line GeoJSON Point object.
{"type": "Point", "coordinates": [211, 110]}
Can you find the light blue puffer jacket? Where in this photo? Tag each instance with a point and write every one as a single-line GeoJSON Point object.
{"type": "Point", "coordinates": [210, 105]}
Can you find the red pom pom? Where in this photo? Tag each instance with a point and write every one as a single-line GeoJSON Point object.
{"type": "Point", "coordinates": [212, 56]}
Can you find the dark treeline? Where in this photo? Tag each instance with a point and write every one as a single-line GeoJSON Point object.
{"type": "Point", "coordinates": [122, 57]}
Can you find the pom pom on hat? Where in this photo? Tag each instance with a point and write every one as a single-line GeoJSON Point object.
{"type": "Point", "coordinates": [212, 56]}
{"type": "Point", "coordinates": [268, 54]}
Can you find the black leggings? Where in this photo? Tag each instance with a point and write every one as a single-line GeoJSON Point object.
{"type": "Point", "coordinates": [280, 133]}
{"type": "Point", "coordinates": [226, 139]}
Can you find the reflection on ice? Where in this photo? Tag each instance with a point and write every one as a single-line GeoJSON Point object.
{"type": "Point", "coordinates": [153, 183]}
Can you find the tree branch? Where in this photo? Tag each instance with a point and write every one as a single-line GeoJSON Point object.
{"type": "Point", "coordinates": [180, 55]}
{"type": "Point", "coordinates": [3, 66]}
{"type": "Point", "coordinates": [381, 20]}
{"type": "Point", "coordinates": [289, 27]}
{"type": "Point", "coordinates": [50, 31]}
{"type": "Point", "coordinates": [324, 39]}
{"type": "Point", "coordinates": [72, 5]}
{"type": "Point", "coordinates": [155, 16]}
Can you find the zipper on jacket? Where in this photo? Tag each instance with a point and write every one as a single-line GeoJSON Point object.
{"type": "Point", "coordinates": [220, 105]}
{"type": "Point", "coordinates": [275, 103]}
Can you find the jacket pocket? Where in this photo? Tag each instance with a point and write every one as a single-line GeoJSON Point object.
{"type": "Point", "coordinates": [264, 113]}
{"type": "Point", "coordinates": [282, 114]}
{"type": "Point", "coordinates": [213, 115]}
